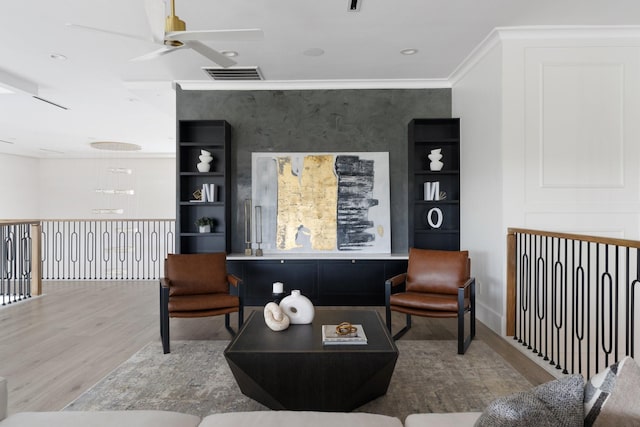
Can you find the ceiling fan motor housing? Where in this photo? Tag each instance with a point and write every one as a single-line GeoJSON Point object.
{"type": "Point", "coordinates": [173, 23]}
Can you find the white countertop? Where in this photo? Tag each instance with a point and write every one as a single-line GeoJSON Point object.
{"type": "Point", "coordinates": [319, 256]}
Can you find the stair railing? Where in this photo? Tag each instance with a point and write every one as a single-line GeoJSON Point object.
{"type": "Point", "coordinates": [571, 299]}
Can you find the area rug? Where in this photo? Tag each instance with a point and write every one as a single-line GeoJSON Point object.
{"type": "Point", "coordinates": [194, 378]}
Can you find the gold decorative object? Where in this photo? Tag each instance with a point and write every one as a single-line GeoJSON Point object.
{"type": "Point", "coordinates": [346, 328]}
{"type": "Point", "coordinates": [197, 195]}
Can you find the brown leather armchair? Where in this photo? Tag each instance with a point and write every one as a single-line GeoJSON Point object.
{"type": "Point", "coordinates": [436, 284]}
{"type": "Point", "coordinates": [197, 285]}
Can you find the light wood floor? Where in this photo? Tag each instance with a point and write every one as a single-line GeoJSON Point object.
{"type": "Point", "coordinates": [56, 346]}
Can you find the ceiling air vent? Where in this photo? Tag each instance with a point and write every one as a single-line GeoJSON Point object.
{"type": "Point", "coordinates": [234, 73]}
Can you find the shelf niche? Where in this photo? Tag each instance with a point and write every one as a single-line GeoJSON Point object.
{"type": "Point", "coordinates": [213, 136]}
{"type": "Point", "coordinates": [435, 223]}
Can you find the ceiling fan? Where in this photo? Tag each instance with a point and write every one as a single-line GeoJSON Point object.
{"type": "Point", "coordinates": [170, 32]}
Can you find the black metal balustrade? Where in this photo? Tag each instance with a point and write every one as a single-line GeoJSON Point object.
{"type": "Point", "coordinates": [16, 255]}
{"type": "Point", "coordinates": [106, 249]}
{"type": "Point", "coordinates": [571, 299]}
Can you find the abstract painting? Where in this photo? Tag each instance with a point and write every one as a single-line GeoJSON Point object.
{"type": "Point", "coordinates": [321, 202]}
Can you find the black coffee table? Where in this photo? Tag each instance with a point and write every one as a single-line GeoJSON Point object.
{"type": "Point", "coordinates": [292, 369]}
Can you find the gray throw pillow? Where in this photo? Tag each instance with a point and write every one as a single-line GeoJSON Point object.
{"type": "Point", "coordinates": [558, 403]}
{"type": "Point", "coordinates": [611, 397]}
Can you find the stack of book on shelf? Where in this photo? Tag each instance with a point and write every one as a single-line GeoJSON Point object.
{"type": "Point", "coordinates": [330, 336]}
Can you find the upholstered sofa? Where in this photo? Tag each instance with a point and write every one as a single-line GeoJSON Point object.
{"type": "Point", "coordinates": [176, 419]}
{"type": "Point", "coordinates": [610, 398]}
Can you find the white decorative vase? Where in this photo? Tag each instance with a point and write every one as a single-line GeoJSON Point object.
{"type": "Point", "coordinates": [435, 157]}
{"type": "Point", "coordinates": [298, 308]}
{"type": "Point", "coordinates": [205, 161]}
{"type": "Point", "coordinates": [204, 228]}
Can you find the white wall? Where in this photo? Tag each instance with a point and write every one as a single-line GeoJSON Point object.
{"type": "Point", "coordinates": [565, 114]}
{"type": "Point", "coordinates": [477, 102]}
{"type": "Point", "coordinates": [65, 188]}
{"type": "Point", "coordinates": [19, 181]}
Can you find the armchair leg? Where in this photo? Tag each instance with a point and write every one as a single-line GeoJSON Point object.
{"type": "Point", "coordinates": [464, 342]}
{"type": "Point", "coordinates": [164, 319]}
{"type": "Point", "coordinates": [227, 324]}
{"type": "Point", "coordinates": [387, 303]}
{"type": "Point", "coordinates": [404, 330]}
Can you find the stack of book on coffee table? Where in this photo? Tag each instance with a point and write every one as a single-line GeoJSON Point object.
{"type": "Point", "coordinates": [330, 336]}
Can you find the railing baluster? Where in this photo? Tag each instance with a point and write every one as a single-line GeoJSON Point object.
{"type": "Point", "coordinates": [15, 261]}
{"type": "Point", "coordinates": [104, 249]}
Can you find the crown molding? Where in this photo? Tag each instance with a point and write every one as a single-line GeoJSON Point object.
{"type": "Point", "coordinates": [315, 84]}
{"type": "Point", "coordinates": [477, 54]}
{"type": "Point", "coordinates": [540, 32]}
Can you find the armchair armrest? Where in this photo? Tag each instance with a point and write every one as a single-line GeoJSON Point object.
{"type": "Point", "coordinates": [164, 282]}
{"type": "Point", "coordinates": [396, 280]}
{"type": "Point", "coordinates": [469, 282]}
{"type": "Point", "coordinates": [234, 280]}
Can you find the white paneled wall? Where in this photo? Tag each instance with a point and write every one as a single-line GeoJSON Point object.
{"type": "Point", "coordinates": [568, 156]}
{"type": "Point", "coordinates": [582, 142]}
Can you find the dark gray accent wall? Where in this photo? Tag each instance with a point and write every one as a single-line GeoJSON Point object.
{"type": "Point", "coordinates": [317, 120]}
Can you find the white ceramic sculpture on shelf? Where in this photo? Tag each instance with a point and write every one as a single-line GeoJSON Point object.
{"type": "Point", "coordinates": [205, 161]}
{"type": "Point", "coordinates": [298, 307]}
{"type": "Point", "coordinates": [435, 157]}
{"type": "Point", "coordinates": [275, 318]}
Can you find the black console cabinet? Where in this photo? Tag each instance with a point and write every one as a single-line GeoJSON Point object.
{"type": "Point", "coordinates": [326, 282]}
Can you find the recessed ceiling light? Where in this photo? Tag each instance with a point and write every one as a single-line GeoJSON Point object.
{"type": "Point", "coordinates": [314, 51]}
{"type": "Point", "coordinates": [58, 56]}
{"type": "Point", "coordinates": [409, 51]}
{"type": "Point", "coordinates": [229, 53]}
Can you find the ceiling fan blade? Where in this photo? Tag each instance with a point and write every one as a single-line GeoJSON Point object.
{"type": "Point", "coordinates": [211, 54]}
{"type": "Point", "coordinates": [155, 10]}
{"type": "Point", "coordinates": [156, 53]}
{"type": "Point", "coordinates": [251, 34]}
{"type": "Point", "coordinates": [103, 31]}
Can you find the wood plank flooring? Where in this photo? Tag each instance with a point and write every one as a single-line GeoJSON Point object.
{"type": "Point", "coordinates": [54, 347]}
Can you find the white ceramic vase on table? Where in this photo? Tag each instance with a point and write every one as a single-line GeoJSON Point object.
{"type": "Point", "coordinates": [298, 308]}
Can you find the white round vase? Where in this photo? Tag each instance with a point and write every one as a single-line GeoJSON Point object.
{"type": "Point", "coordinates": [298, 308]}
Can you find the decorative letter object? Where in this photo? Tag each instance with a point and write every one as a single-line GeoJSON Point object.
{"type": "Point", "coordinates": [298, 307]}
{"type": "Point", "coordinates": [275, 318]}
{"type": "Point", "coordinates": [432, 190]}
{"type": "Point", "coordinates": [435, 157]}
{"type": "Point", "coordinates": [438, 221]}
{"type": "Point", "coordinates": [208, 192]}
